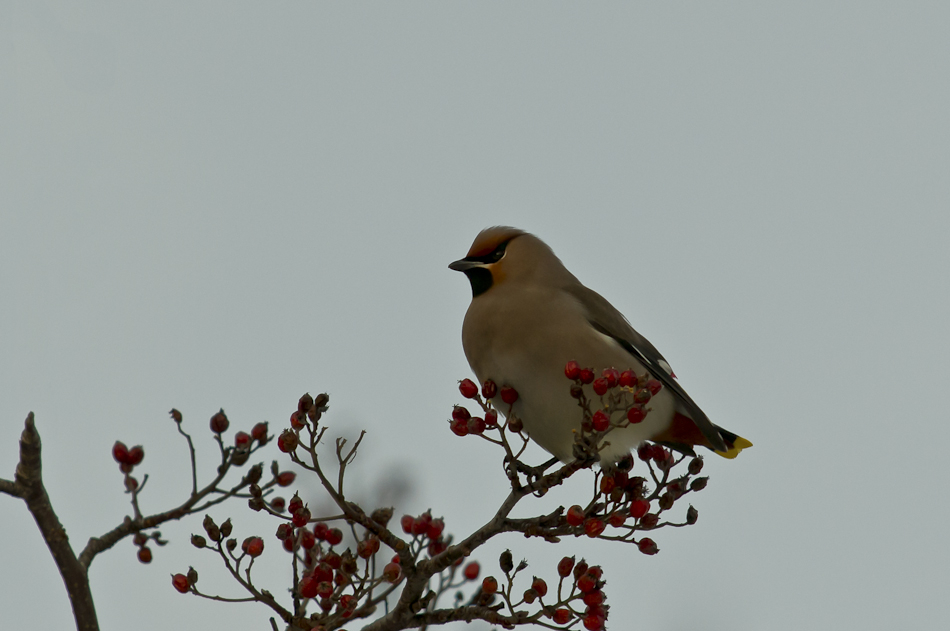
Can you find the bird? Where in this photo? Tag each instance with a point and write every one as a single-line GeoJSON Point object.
{"type": "Point", "coordinates": [529, 316]}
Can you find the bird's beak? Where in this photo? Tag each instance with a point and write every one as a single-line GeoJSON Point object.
{"type": "Point", "coordinates": [462, 265]}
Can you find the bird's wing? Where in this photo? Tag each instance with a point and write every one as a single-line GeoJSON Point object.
{"type": "Point", "coordinates": [610, 322]}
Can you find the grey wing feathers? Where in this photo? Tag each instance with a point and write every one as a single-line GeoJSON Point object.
{"type": "Point", "coordinates": [607, 320]}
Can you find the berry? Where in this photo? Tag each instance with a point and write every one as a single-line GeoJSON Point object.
{"type": "Point", "coordinates": [392, 572]}
{"type": "Point", "coordinates": [295, 504]}
{"type": "Point", "coordinates": [639, 508]}
{"type": "Point", "coordinates": [695, 465]}
{"type": "Point", "coordinates": [307, 539]}
{"type": "Point", "coordinates": [530, 596]}
{"type": "Point", "coordinates": [561, 616]}
{"type": "Point", "coordinates": [242, 440]}
{"type": "Point", "coordinates": [538, 585]}
{"type": "Point", "coordinates": [600, 386]}
{"type": "Point", "coordinates": [642, 396]}
{"type": "Point", "coordinates": [489, 585]}
{"type": "Point", "coordinates": [468, 388]}
{"type": "Point", "coordinates": [253, 546]}
{"type": "Point", "coordinates": [283, 531]}
{"type": "Point", "coordinates": [489, 389]}
{"type": "Point", "coordinates": [515, 425]}
{"type": "Point", "coordinates": [181, 583]}
{"type": "Point", "coordinates": [647, 546]}
{"type": "Point", "coordinates": [509, 395]}
{"type": "Point", "coordinates": [564, 567]}
{"type": "Point", "coordinates": [572, 370]}
{"type": "Point", "coordinates": [334, 536]}
{"type": "Point", "coordinates": [660, 454]}
{"type": "Point", "coordinates": [259, 433]}
{"type": "Point", "coordinates": [575, 515]}
{"type": "Point", "coordinates": [594, 526]}
{"type": "Point", "coordinates": [586, 376]}
{"type": "Point", "coordinates": [471, 571]}
{"type": "Point", "coordinates": [654, 386]}
{"type": "Point", "coordinates": [287, 441]}
{"type": "Point", "coordinates": [219, 423]}
{"type": "Point", "coordinates": [277, 504]}
{"type": "Point", "coordinates": [120, 452]}
{"type": "Point", "coordinates": [406, 521]}
{"type": "Point", "coordinates": [649, 521]}
{"type": "Point", "coordinates": [691, 515]}
{"type": "Point", "coordinates": [305, 403]}
{"type": "Point", "coordinates": [286, 478]}
{"type": "Point", "coordinates": [145, 555]}
{"type": "Point", "coordinates": [600, 420]}
{"type": "Point", "coordinates": [302, 517]}
{"type": "Point", "coordinates": [460, 413]}
{"type": "Point", "coordinates": [593, 622]}
{"type": "Point", "coordinates": [645, 450]}
{"type": "Point", "coordinates": [308, 587]}
{"type": "Point", "coordinates": [491, 418]}
{"type": "Point", "coordinates": [367, 548]}
{"type": "Point", "coordinates": [587, 583]}
{"type": "Point", "coordinates": [628, 379]}
{"type": "Point", "coordinates": [333, 560]}
{"type": "Point", "coordinates": [459, 427]}
{"type": "Point", "coordinates": [698, 484]}
{"type": "Point", "coordinates": [580, 569]}
{"type": "Point", "coordinates": [636, 415]}
{"type": "Point", "coordinates": [612, 375]}
{"type": "Point", "coordinates": [297, 420]}
{"type": "Point", "coordinates": [594, 598]}
{"type": "Point", "coordinates": [136, 454]}
{"type": "Point", "coordinates": [607, 484]}
{"type": "Point", "coordinates": [421, 524]}
{"type": "Point", "coordinates": [476, 425]}
{"type": "Point", "coordinates": [616, 519]}
{"type": "Point", "coordinates": [435, 528]}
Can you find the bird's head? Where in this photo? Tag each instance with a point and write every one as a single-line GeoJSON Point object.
{"type": "Point", "coordinates": [502, 254]}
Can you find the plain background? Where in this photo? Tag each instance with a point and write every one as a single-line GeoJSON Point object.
{"type": "Point", "coordinates": [229, 204]}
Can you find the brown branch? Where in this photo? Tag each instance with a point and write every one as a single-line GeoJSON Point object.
{"type": "Point", "coordinates": [29, 479]}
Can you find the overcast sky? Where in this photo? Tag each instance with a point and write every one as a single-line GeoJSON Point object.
{"type": "Point", "coordinates": [228, 204]}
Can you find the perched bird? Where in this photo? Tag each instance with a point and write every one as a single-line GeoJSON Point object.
{"type": "Point", "coordinates": [529, 316]}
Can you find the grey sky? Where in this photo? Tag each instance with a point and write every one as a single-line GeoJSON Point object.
{"type": "Point", "coordinates": [228, 204]}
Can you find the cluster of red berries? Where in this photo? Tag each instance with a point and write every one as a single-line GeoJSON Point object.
{"type": "Point", "coordinates": [127, 458]}
{"type": "Point", "coordinates": [643, 388]}
{"type": "Point", "coordinates": [184, 582]}
{"type": "Point", "coordinates": [589, 582]}
{"type": "Point", "coordinates": [463, 423]}
{"type": "Point", "coordinates": [308, 408]}
{"type": "Point", "coordinates": [424, 526]}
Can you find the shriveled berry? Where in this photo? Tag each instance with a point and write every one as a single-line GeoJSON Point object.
{"type": "Point", "coordinates": [459, 427]}
{"type": "Point", "coordinates": [468, 388]}
{"type": "Point", "coordinates": [572, 370]}
{"type": "Point", "coordinates": [628, 379]}
{"type": "Point", "coordinates": [538, 585]}
{"type": "Point", "coordinates": [287, 441]}
{"type": "Point", "coordinates": [698, 484]}
{"type": "Point", "coordinates": [691, 515]}
{"type": "Point", "coordinates": [564, 567]}
{"type": "Point", "coordinates": [600, 386]}
{"type": "Point", "coordinates": [642, 396]}
{"type": "Point", "coordinates": [593, 526]}
{"type": "Point", "coordinates": [575, 515]}
{"type": "Point", "coordinates": [305, 403]}
{"type": "Point", "coordinates": [219, 422]}
{"type": "Point", "coordinates": [695, 465]}
{"type": "Point", "coordinates": [649, 521]}
{"type": "Point", "coordinates": [489, 389]}
{"type": "Point", "coordinates": [647, 546]}
{"type": "Point", "coordinates": [489, 585]}
{"type": "Point", "coordinates": [259, 433]}
{"type": "Point", "coordinates": [639, 508]}
{"type": "Point", "coordinates": [145, 555]}
{"type": "Point", "coordinates": [586, 376]}
{"type": "Point", "coordinates": [506, 562]}
{"type": "Point", "coordinates": [654, 386]}
{"type": "Point", "coordinates": [600, 420]}
{"type": "Point", "coordinates": [136, 454]}
{"type": "Point", "coordinates": [286, 478]}
{"type": "Point", "coordinates": [515, 425]}
{"type": "Point", "coordinates": [471, 571]}
{"type": "Point", "coordinates": [180, 582]}
{"type": "Point", "coordinates": [120, 452]}
{"type": "Point", "coordinates": [334, 536]}
{"type": "Point", "coordinates": [460, 412]}
{"type": "Point", "coordinates": [636, 415]}
{"type": "Point", "coordinates": [509, 395]}
{"type": "Point", "coordinates": [333, 560]}
{"type": "Point", "coordinates": [561, 616]}
{"type": "Point", "coordinates": [284, 530]}
{"type": "Point", "coordinates": [476, 425]}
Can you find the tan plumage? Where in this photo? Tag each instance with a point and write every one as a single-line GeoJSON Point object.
{"type": "Point", "coordinates": [529, 316]}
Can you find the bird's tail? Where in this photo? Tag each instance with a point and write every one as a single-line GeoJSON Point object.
{"type": "Point", "coordinates": [734, 443]}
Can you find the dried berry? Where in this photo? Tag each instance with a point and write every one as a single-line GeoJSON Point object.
{"type": "Point", "coordinates": [647, 546]}
{"type": "Point", "coordinates": [219, 422]}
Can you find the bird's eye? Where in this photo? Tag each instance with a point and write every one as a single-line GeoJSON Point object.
{"type": "Point", "coordinates": [498, 252]}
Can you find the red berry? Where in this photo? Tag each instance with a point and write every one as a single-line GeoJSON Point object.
{"type": "Point", "coordinates": [600, 386]}
{"type": "Point", "coordinates": [334, 536]}
{"type": "Point", "coordinates": [308, 587]}
{"type": "Point", "coordinates": [288, 544]}
{"type": "Point", "coordinates": [421, 525]}
{"type": "Point", "coordinates": [509, 395]}
{"type": "Point", "coordinates": [587, 583]}
{"type": "Point", "coordinates": [307, 539]}
{"type": "Point", "coordinates": [254, 546]}
{"type": "Point", "coordinates": [437, 547]}
{"type": "Point", "coordinates": [538, 585]}
{"type": "Point", "coordinates": [219, 423]}
{"type": "Point", "coordinates": [586, 376]}
{"type": "Point", "coordinates": [367, 548]}
{"type": "Point", "coordinates": [298, 420]}
{"type": "Point", "coordinates": [145, 555]}
{"type": "Point", "coordinates": [561, 616]}
{"type": "Point", "coordinates": [181, 583]}
{"type": "Point", "coordinates": [302, 517]}
{"type": "Point", "coordinates": [259, 433]}
{"type": "Point", "coordinates": [628, 379]}
{"type": "Point", "coordinates": [476, 425]}
{"type": "Point", "coordinates": [435, 528]}
{"type": "Point", "coordinates": [595, 571]}
{"type": "Point", "coordinates": [489, 585]}
{"type": "Point", "coordinates": [642, 396]}
{"type": "Point", "coordinates": [491, 418]}
{"type": "Point", "coordinates": [572, 370]}
{"type": "Point", "coordinates": [636, 415]}
{"type": "Point", "coordinates": [460, 413]}
{"type": "Point", "coordinates": [277, 504]}
{"type": "Point", "coordinates": [136, 454]}
{"type": "Point", "coordinates": [580, 569]}
{"type": "Point", "coordinates": [489, 389]}
{"type": "Point", "coordinates": [295, 504]}
{"type": "Point", "coordinates": [660, 454]}
{"type": "Point", "coordinates": [594, 598]}
{"type": "Point", "coordinates": [593, 622]}
{"type": "Point", "coordinates": [575, 515]}
{"type": "Point", "coordinates": [333, 560]}
{"type": "Point", "coordinates": [612, 375]}
{"type": "Point", "coordinates": [287, 441]}
{"type": "Point", "coordinates": [600, 420]}
{"type": "Point", "coordinates": [406, 521]}
{"type": "Point", "coordinates": [286, 478]}
{"type": "Point", "coordinates": [242, 440]}
{"type": "Point", "coordinates": [120, 452]}
{"type": "Point", "coordinates": [471, 571]}
{"type": "Point", "coordinates": [607, 484]}
{"type": "Point", "coordinates": [647, 546]}
{"type": "Point", "coordinates": [459, 427]}
{"type": "Point", "coordinates": [284, 530]}
{"type": "Point", "coordinates": [594, 526]}
{"type": "Point", "coordinates": [654, 386]}
{"type": "Point", "coordinates": [564, 567]}
{"type": "Point", "coordinates": [616, 519]}
{"type": "Point", "coordinates": [392, 572]}
{"type": "Point", "coordinates": [639, 508]}
{"type": "Point", "coordinates": [468, 388]}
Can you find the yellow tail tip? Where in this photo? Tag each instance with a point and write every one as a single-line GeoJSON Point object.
{"type": "Point", "coordinates": [738, 445]}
